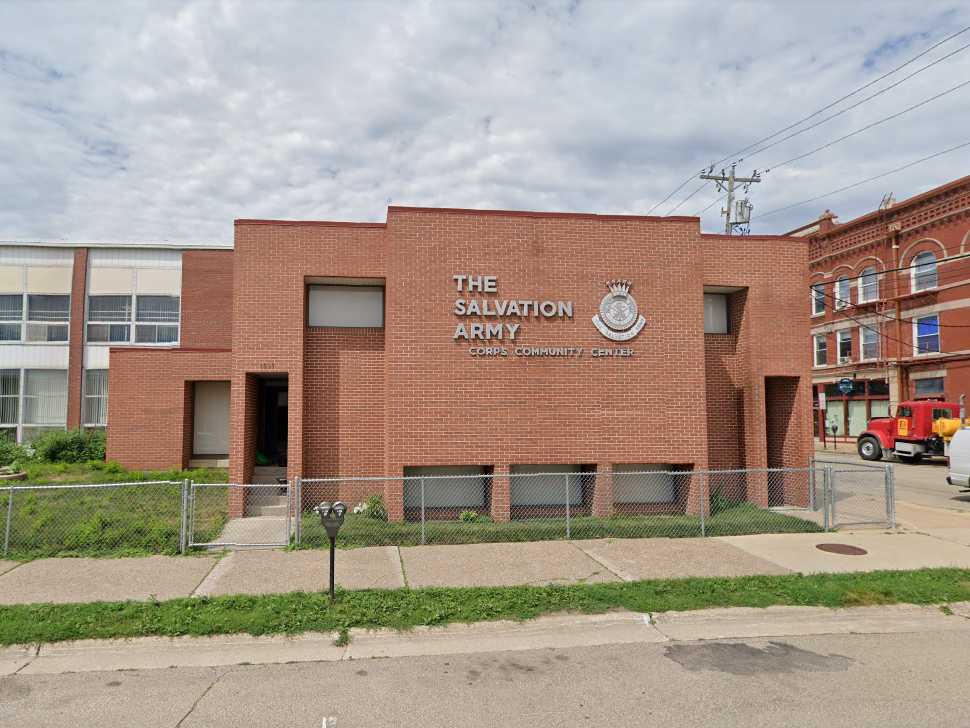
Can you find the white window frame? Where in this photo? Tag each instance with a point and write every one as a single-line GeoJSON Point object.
{"type": "Point", "coordinates": [133, 323]}
{"type": "Point", "coordinates": [818, 299]}
{"type": "Point", "coordinates": [842, 336]}
{"type": "Point", "coordinates": [88, 396]}
{"type": "Point", "coordinates": [18, 322]}
{"type": "Point", "coordinates": [815, 349]}
{"type": "Point", "coordinates": [873, 272]}
{"type": "Point", "coordinates": [939, 342]}
{"type": "Point", "coordinates": [914, 272]}
{"type": "Point", "coordinates": [863, 331]}
{"type": "Point", "coordinates": [89, 321]}
{"type": "Point", "coordinates": [843, 299]}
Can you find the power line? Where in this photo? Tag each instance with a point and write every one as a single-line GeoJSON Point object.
{"type": "Point", "coordinates": [867, 127]}
{"type": "Point", "coordinates": [960, 256]}
{"type": "Point", "coordinates": [851, 93]}
{"type": "Point", "coordinates": [823, 109]}
{"type": "Point", "coordinates": [888, 317]}
{"type": "Point", "coordinates": [677, 206]}
{"type": "Point", "coordinates": [864, 181]}
{"type": "Point", "coordinates": [855, 105]}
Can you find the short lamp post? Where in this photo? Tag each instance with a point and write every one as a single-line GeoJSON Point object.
{"type": "Point", "coordinates": [332, 518]}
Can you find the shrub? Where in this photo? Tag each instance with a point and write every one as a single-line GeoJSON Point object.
{"type": "Point", "coordinates": [375, 508]}
{"type": "Point", "coordinates": [73, 446]}
{"type": "Point", "coordinates": [468, 516]}
{"type": "Point", "coordinates": [11, 452]}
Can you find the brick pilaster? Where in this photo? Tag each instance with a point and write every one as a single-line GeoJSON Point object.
{"type": "Point", "coordinates": [603, 491]}
{"type": "Point", "coordinates": [501, 495]}
{"type": "Point", "coordinates": [75, 360]}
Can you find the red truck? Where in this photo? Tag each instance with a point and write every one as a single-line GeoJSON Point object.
{"type": "Point", "coordinates": [921, 428]}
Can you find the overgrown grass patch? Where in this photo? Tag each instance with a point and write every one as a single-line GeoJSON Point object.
{"type": "Point", "coordinates": [406, 608]}
{"type": "Point", "coordinates": [744, 518]}
{"type": "Point", "coordinates": [122, 521]}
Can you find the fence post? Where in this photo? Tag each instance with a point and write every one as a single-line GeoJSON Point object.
{"type": "Point", "coordinates": [184, 523]}
{"type": "Point", "coordinates": [812, 484]}
{"type": "Point", "coordinates": [568, 525]}
{"type": "Point", "coordinates": [298, 510]}
{"type": "Point", "coordinates": [422, 513]}
{"type": "Point", "coordinates": [705, 478]}
{"type": "Point", "coordinates": [289, 512]}
{"type": "Point", "coordinates": [890, 495]}
{"type": "Point", "coordinates": [827, 498]}
{"type": "Point", "coordinates": [6, 530]}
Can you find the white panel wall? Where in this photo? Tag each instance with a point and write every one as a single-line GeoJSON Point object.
{"type": "Point", "coordinates": [210, 428]}
{"type": "Point", "coordinates": [26, 255]}
{"type": "Point", "coordinates": [33, 356]}
{"type": "Point", "coordinates": [105, 281]}
{"type": "Point", "coordinates": [549, 488]}
{"type": "Point", "coordinates": [11, 279]}
{"type": "Point", "coordinates": [95, 356]}
{"type": "Point", "coordinates": [642, 483]}
{"type": "Point", "coordinates": [346, 306]}
{"type": "Point", "coordinates": [441, 491]}
{"type": "Point", "coordinates": [158, 281]}
{"type": "Point", "coordinates": [134, 258]}
{"type": "Point", "coordinates": [49, 279]}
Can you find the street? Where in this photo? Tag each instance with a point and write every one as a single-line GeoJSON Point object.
{"type": "Point", "coordinates": [922, 485]}
{"type": "Point", "coordinates": [825, 680]}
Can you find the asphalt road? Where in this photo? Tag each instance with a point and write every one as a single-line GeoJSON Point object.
{"type": "Point", "coordinates": [827, 681]}
{"type": "Point", "coordinates": [923, 484]}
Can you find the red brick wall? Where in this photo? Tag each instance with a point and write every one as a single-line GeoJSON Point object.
{"type": "Point", "coordinates": [726, 366]}
{"type": "Point", "coordinates": [149, 403]}
{"type": "Point", "coordinates": [423, 400]}
{"type": "Point", "coordinates": [207, 299]}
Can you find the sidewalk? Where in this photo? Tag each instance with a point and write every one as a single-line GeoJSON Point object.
{"type": "Point", "coordinates": [493, 564]}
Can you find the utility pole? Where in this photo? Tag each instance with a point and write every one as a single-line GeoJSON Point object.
{"type": "Point", "coordinates": [742, 215]}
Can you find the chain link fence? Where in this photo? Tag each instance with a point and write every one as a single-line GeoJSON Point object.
{"type": "Point", "coordinates": [524, 504]}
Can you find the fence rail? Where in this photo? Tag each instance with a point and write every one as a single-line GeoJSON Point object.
{"type": "Point", "coordinates": [176, 516]}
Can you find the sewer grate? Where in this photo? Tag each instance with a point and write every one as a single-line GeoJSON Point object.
{"type": "Point", "coordinates": [841, 548]}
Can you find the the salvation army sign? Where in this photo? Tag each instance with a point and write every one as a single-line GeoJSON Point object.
{"type": "Point", "coordinates": [619, 319]}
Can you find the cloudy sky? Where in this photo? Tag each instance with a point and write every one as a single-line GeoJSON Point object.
{"type": "Point", "coordinates": [167, 120]}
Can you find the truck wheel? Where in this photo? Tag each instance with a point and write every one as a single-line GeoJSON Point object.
{"type": "Point", "coordinates": [869, 448]}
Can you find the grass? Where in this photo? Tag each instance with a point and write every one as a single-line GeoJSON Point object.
{"type": "Point", "coordinates": [125, 521]}
{"type": "Point", "coordinates": [407, 608]}
{"type": "Point", "coordinates": [744, 518]}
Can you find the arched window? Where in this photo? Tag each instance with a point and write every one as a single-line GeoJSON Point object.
{"type": "Point", "coordinates": [843, 295]}
{"type": "Point", "coordinates": [924, 271]}
{"type": "Point", "coordinates": [868, 285]}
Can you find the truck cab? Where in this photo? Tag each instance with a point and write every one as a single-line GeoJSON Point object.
{"type": "Point", "coordinates": [920, 428]}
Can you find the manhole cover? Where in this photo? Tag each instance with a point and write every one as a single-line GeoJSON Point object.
{"type": "Point", "coordinates": [841, 548]}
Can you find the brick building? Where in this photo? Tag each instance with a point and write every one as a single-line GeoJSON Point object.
{"type": "Point", "coordinates": [463, 341]}
{"type": "Point", "coordinates": [890, 306]}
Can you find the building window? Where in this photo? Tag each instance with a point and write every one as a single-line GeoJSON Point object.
{"type": "Point", "coordinates": [643, 483]}
{"type": "Point", "coordinates": [715, 313]}
{"type": "Point", "coordinates": [868, 285]}
{"type": "Point", "coordinates": [818, 299]}
{"type": "Point", "coordinates": [545, 485]}
{"type": "Point", "coordinates": [96, 398]}
{"type": "Point", "coordinates": [109, 319]}
{"type": "Point", "coordinates": [821, 350]}
{"type": "Point", "coordinates": [47, 317]}
{"type": "Point", "coordinates": [9, 402]}
{"type": "Point", "coordinates": [931, 387]}
{"type": "Point", "coordinates": [843, 292]}
{"type": "Point", "coordinates": [844, 338]}
{"type": "Point", "coordinates": [927, 335]}
{"type": "Point", "coordinates": [446, 486]}
{"type": "Point", "coordinates": [45, 402]}
{"type": "Point", "coordinates": [868, 343]}
{"type": "Point", "coordinates": [345, 306]}
{"type": "Point", "coordinates": [924, 271]}
{"type": "Point", "coordinates": [11, 316]}
{"type": "Point", "coordinates": [157, 319]}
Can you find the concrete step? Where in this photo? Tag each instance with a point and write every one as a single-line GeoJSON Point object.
{"type": "Point", "coordinates": [279, 510]}
{"type": "Point", "coordinates": [268, 474]}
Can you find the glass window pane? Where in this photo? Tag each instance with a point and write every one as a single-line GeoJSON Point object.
{"type": "Point", "coordinates": [11, 307]}
{"type": "Point", "coordinates": [9, 332]}
{"type": "Point", "coordinates": [857, 417]}
{"type": "Point", "coordinates": [879, 407]}
{"type": "Point", "coordinates": [924, 272]}
{"type": "Point", "coordinates": [96, 397]}
{"type": "Point", "coordinates": [927, 334]}
{"type": "Point", "coordinates": [45, 397]}
{"type": "Point", "coordinates": [926, 387]}
{"type": "Point", "coordinates": [108, 333]}
{"type": "Point", "coordinates": [834, 416]}
{"type": "Point", "coordinates": [46, 332]}
{"type": "Point", "coordinates": [869, 285]}
{"type": "Point", "coordinates": [9, 396]}
{"type": "Point", "coordinates": [157, 308]}
{"type": "Point", "coordinates": [715, 313]}
{"type": "Point", "coordinates": [48, 308]}
{"type": "Point", "coordinates": [109, 308]}
{"type": "Point", "coordinates": [818, 298]}
{"type": "Point", "coordinates": [878, 386]}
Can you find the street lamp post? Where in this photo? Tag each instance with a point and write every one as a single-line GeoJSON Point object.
{"type": "Point", "coordinates": [332, 518]}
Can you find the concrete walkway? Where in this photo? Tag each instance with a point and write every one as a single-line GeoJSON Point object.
{"type": "Point", "coordinates": [535, 563]}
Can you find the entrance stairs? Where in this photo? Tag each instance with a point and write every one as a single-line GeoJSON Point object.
{"type": "Point", "coordinates": [267, 501]}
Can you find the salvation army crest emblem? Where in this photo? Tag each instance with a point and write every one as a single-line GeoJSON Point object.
{"type": "Point", "coordinates": [619, 318]}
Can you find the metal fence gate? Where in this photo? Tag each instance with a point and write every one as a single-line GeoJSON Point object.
{"type": "Point", "coordinates": [240, 514]}
{"type": "Point", "coordinates": [858, 494]}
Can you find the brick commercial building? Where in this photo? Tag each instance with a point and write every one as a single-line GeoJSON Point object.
{"type": "Point", "coordinates": [477, 342]}
{"type": "Point", "coordinates": [890, 306]}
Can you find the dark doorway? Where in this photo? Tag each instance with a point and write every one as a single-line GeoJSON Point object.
{"type": "Point", "coordinates": [272, 425]}
{"type": "Point", "coordinates": [781, 433]}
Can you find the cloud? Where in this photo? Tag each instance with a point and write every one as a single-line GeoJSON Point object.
{"type": "Point", "coordinates": [165, 121]}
